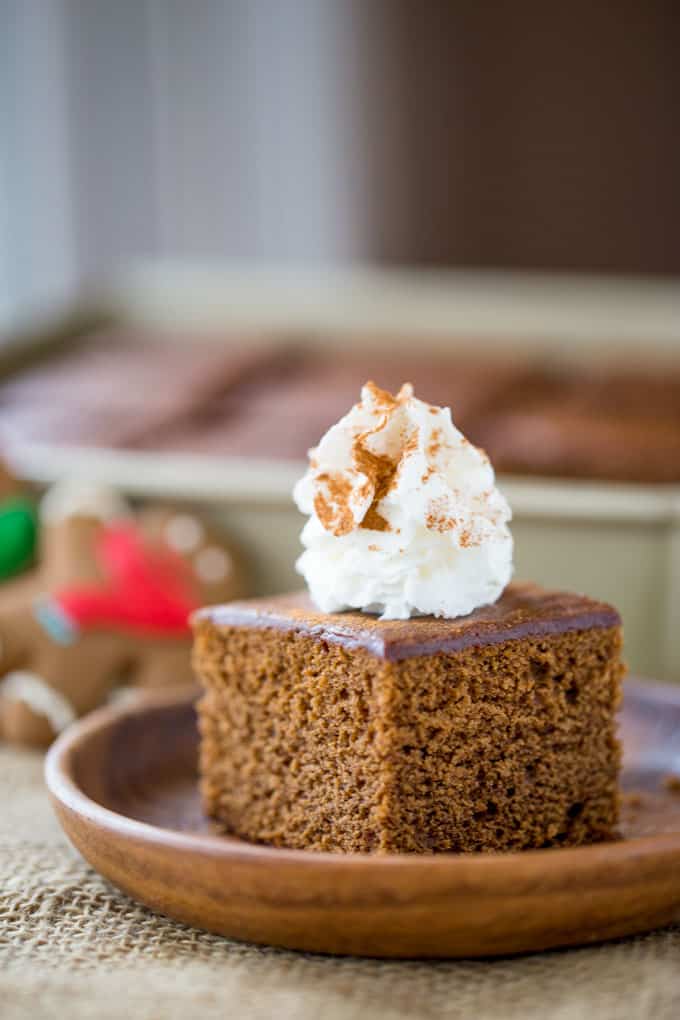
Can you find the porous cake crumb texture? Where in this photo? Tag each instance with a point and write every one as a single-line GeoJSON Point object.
{"type": "Point", "coordinates": [316, 745]}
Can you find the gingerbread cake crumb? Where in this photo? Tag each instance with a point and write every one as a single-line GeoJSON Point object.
{"type": "Point", "coordinates": [342, 732]}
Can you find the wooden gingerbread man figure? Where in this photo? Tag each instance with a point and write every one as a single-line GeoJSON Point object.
{"type": "Point", "coordinates": [107, 606]}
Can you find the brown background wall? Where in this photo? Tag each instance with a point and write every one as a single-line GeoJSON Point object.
{"type": "Point", "coordinates": [527, 134]}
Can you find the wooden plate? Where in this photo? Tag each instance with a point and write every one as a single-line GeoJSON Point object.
{"type": "Point", "coordinates": [123, 783]}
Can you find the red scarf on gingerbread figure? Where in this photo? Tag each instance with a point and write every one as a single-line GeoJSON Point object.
{"type": "Point", "coordinates": [147, 589]}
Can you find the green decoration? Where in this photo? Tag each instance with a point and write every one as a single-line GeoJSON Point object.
{"type": "Point", "coordinates": [18, 536]}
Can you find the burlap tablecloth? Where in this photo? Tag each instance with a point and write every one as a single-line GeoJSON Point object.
{"type": "Point", "coordinates": [71, 946]}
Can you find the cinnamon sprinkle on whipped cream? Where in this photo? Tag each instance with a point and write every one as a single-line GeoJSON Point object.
{"type": "Point", "coordinates": [397, 466]}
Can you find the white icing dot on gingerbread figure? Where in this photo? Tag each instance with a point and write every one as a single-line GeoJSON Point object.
{"type": "Point", "coordinates": [184, 533]}
{"type": "Point", "coordinates": [71, 498]}
{"type": "Point", "coordinates": [211, 564]}
{"type": "Point", "coordinates": [42, 698]}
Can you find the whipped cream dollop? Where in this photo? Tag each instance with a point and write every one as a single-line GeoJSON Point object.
{"type": "Point", "coordinates": [404, 515]}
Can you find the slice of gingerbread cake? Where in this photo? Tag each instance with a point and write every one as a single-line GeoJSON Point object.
{"type": "Point", "coordinates": [414, 700]}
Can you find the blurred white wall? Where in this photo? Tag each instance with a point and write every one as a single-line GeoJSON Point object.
{"type": "Point", "coordinates": [38, 260]}
{"type": "Point", "coordinates": [175, 127]}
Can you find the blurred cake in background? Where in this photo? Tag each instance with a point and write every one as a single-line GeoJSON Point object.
{"type": "Point", "coordinates": [259, 397]}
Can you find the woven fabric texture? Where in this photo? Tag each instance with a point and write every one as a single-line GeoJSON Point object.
{"type": "Point", "coordinates": [72, 946]}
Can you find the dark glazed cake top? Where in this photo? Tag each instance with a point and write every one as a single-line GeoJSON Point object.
{"type": "Point", "coordinates": [524, 610]}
